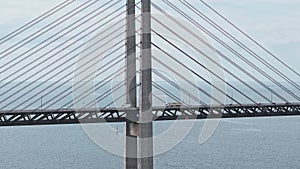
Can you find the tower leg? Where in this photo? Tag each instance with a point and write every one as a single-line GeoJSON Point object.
{"type": "Point", "coordinates": [145, 114]}
{"type": "Point", "coordinates": [130, 159]}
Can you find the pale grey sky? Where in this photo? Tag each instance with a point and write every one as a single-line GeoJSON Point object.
{"type": "Point", "coordinates": [274, 23]}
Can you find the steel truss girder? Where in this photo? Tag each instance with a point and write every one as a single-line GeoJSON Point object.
{"type": "Point", "coordinates": [68, 116]}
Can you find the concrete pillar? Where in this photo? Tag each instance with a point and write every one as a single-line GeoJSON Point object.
{"type": "Point", "coordinates": [131, 127]}
{"type": "Point", "coordinates": [145, 113]}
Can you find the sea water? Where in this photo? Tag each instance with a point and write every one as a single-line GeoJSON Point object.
{"type": "Point", "coordinates": [249, 143]}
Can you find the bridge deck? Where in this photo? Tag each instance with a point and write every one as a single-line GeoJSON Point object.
{"type": "Point", "coordinates": [71, 116]}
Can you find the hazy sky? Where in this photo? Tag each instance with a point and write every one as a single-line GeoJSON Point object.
{"type": "Point", "coordinates": [274, 23]}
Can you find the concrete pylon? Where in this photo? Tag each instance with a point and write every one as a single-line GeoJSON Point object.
{"type": "Point", "coordinates": [143, 127]}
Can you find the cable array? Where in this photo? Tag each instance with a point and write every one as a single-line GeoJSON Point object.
{"type": "Point", "coordinates": [249, 37]}
{"type": "Point", "coordinates": [35, 21]}
{"type": "Point", "coordinates": [243, 58]}
{"type": "Point", "coordinates": [69, 51]}
{"type": "Point", "coordinates": [233, 51]}
{"type": "Point", "coordinates": [240, 44]}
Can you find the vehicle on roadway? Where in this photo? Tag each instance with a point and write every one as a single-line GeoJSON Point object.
{"type": "Point", "coordinates": [174, 104]}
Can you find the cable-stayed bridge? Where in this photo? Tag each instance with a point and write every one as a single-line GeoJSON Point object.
{"type": "Point", "coordinates": [84, 62]}
{"type": "Point", "coordinates": [37, 66]}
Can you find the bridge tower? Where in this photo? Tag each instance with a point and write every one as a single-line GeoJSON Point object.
{"type": "Point", "coordinates": [139, 129]}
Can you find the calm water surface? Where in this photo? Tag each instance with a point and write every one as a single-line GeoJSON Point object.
{"type": "Point", "coordinates": [250, 143]}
